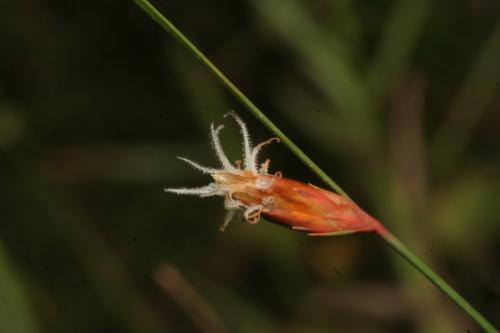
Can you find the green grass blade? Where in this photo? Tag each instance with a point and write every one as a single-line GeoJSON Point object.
{"type": "Point", "coordinates": [397, 245]}
{"type": "Point", "coordinates": [247, 103]}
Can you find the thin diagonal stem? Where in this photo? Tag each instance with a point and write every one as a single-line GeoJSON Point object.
{"type": "Point", "coordinates": [396, 244]}
{"type": "Point", "coordinates": [452, 294]}
{"type": "Point", "coordinates": [247, 103]}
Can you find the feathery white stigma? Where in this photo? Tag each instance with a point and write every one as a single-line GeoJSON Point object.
{"type": "Point", "coordinates": [219, 188]}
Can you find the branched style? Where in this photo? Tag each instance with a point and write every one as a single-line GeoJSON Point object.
{"type": "Point", "coordinates": [231, 178]}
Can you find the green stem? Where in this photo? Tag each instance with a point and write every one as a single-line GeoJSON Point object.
{"type": "Point", "coordinates": [247, 103]}
{"type": "Point", "coordinates": [404, 252]}
{"type": "Point", "coordinates": [387, 236]}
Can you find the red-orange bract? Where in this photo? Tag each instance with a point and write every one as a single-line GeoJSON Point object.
{"type": "Point", "coordinates": [253, 191]}
{"type": "Point", "coordinates": [301, 206]}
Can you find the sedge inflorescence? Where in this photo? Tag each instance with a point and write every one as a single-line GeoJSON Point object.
{"type": "Point", "coordinates": [242, 184]}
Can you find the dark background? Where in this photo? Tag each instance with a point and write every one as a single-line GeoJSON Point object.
{"type": "Point", "coordinates": [398, 101]}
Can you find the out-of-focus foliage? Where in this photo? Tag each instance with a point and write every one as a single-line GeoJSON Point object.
{"type": "Point", "coordinates": [397, 100]}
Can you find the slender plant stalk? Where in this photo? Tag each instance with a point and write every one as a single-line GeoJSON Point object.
{"type": "Point", "coordinates": [247, 103]}
{"type": "Point", "coordinates": [452, 294]}
{"type": "Point", "coordinates": [396, 244]}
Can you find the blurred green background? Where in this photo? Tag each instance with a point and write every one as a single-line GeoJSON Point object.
{"type": "Point", "coordinates": [397, 100]}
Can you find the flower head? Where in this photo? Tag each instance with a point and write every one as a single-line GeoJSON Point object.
{"type": "Point", "coordinates": [251, 190]}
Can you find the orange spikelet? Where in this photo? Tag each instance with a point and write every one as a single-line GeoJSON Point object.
{"type": "Point", "coordinates": [254, 192]}
{"type": "Point", "coordinates": [301, 206]}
